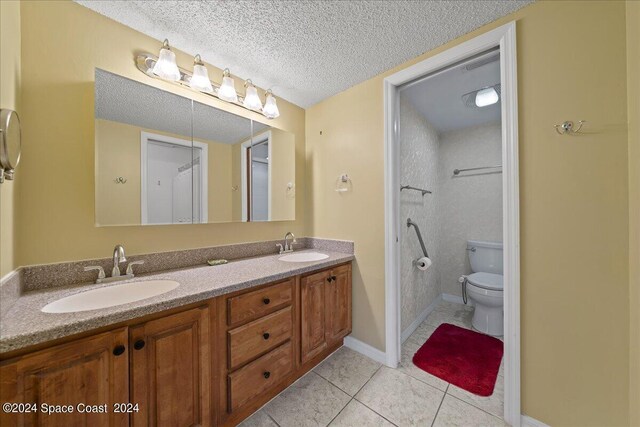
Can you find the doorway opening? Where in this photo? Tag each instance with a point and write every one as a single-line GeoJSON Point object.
{"type": "Point", "coordinates": [255, 170]}
{"type": "Point", "coordinates": [174, 180]}
{"type": "Point", "coordinates": [451, 178]}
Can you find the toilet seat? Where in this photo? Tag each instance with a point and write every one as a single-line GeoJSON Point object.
{"type": "Point", "coordinates": [488, 281]}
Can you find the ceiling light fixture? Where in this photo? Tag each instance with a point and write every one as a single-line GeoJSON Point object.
{"type": "Point", "coordinates": [227, 91]}
{"type": "Point", "coordinates": [487, 96]}
{"type": "Point", "coordinates": [165, 66]}
{"type": "Point", "coordinates": [200, 79]}
{"type": "Point", "coordinates": [251, 98]}
{"type": "Point", "coordinates": [270, 109]}
{"type": "Point", "coordinates": [483, 97]}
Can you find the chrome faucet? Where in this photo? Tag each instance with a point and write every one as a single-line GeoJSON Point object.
{"type": "Point", "coordinates": [288, 247]}
{"type": "Point", "coordinates": [118, 257]}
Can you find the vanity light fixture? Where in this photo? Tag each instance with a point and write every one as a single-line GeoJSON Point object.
{"type": "Point", "coordinates": [270, 109]}
{"type": "Point", "coordinates": [200, 78]}
{"type": "Point", "coordinates": [482, 97]}
{"type": "Point", "coordinates": [227, 90]}
{"type": "Point", "coordinates": [166, 67]}
{"type": "Point", "coordinates": [251, 98]}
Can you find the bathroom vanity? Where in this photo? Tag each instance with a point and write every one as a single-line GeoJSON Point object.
{"type": "Point", "coordinates": [194, 359]}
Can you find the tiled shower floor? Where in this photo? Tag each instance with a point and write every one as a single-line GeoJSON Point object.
{"type": "Point", "coordinates": [349, 389]}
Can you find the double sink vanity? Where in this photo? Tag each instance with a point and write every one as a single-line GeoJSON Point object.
{"type": "Point", "coordinates": [201, 345]}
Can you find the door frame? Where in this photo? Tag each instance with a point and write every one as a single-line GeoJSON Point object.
{"type": "Point", "coordinates": [503, 37]}
{"type": "Point", "coordinates": [145, 137]}
{"type": "Point", "coordinates": [244, 147]}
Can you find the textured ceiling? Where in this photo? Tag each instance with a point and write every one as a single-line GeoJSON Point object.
{"type": "Point", "coordinates": [439, 97]}
{"type": "Point", "coordinates": [123, 100]}
{"type": "Point", "coordinates": [305, 50]}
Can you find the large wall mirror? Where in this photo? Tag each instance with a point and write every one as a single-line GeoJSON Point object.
{"type": "Point", "coordinates": [165, 159]}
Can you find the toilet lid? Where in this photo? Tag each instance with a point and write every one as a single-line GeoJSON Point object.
{"type": "Point", "coordinates": [487, 281]}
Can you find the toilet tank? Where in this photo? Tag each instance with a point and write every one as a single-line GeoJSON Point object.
{"type": "Point", "coordinates": [486, 257]}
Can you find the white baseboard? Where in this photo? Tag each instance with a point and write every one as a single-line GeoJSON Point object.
{"type": "Point", "coordinates": [455, 299]}
{"type": "Point", "coordinates": [365, 349]}
{"type": "Point", "coordinates": [527, 421]}
{"type": "Point", "coordinates": [421, 317]}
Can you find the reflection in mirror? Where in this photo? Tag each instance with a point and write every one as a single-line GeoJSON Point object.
{"type": "Point", "coordinates": [165, 159]}
{"type": "Point", "coordinates": [143, 153]}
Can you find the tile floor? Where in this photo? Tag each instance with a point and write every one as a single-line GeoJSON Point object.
{"type": "Point", "coordinates": [349, 389]}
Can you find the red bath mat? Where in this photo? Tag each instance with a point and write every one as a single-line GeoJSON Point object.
{"type": "Point", "coordinates": [467, 359]}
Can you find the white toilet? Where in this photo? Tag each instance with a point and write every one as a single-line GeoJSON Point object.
{"type": "Point", "coordinates": [485, 286]}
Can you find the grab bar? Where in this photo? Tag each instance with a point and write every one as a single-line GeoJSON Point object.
{"type": "Point", "coordinates": [409, 187]}
{"type": "Point", "coordinates": [411, 223]}
{"type": "Point", "coordinates": [457, 171]}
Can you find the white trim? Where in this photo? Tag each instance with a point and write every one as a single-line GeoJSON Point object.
{"type": "Point", "coordinates": [421, 318]}
{"type": "Point", "coordinates": [204, 172]}
{"type": "Point", "coordinates": [365, 349]}
{"type": "Point", "coordinates": [505, 38]}
{"type": "Point", "coordinates": [243, 171]}
{"type": "Point", "coordinates": [455, 299]}
{"type": "Point", "coordinates": [527, 421]}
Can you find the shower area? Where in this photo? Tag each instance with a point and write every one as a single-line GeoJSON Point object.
{"type": "Point", "coordinates": [451, 183]}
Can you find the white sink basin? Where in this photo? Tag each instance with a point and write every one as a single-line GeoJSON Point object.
{"type": "Point", "coordinates": [110, 296]}
{"type": "Point", "coordinates": [304, 257]}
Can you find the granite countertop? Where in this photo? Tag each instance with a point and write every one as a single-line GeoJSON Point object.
{"type": "Point", "coordinates": [25, 325]}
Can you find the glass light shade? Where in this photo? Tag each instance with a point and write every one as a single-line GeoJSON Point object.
{"type": "Point", "coordinates": [166, 67]}
{"type": "Point", "coordinates": [227, 90]}
{"type": "Point", "coordinates": [251, 99]}
{"type": "Point", "coordinates": [270, 109]}
{"type": "Point", "coordinates": [486, 97]}
{"type": "Point", "coordinates": [200, 79]}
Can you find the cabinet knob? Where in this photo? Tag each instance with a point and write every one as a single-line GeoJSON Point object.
{"type": "Point", "coordinates": [266, 301]}
{"type": "Point", "coordinates": [329, 279]}
{"type": "Point", "coordinates": [118, 350]}
{"type": "Point", "coordinates": [139, 345]}
{"type": "Point", "coordinates": [266, 375]}
{"type": "Point", "coordinates": [266, 335]}
{"type": "Point", "coordinates": [333, 278]}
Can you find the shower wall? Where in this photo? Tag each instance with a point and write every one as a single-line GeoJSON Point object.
{"type": "Point", "coordinates": [418, 157]}
{"type": "Point", "coordinates": [470, 204]}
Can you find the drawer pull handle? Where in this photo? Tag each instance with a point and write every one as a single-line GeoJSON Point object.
{"type": "Point", "coordinates": [266, 301]}
{"type": "Point", "coordinates": [139, 345]}
{"type": "Point", "coordinates": [329, 279]}
{"type": "Point", "coordinates": [266, 335]}
{"type": "Point", "coordinates": [266, 375]}
{"type": "Point", "coordinates": [334, 278]}
{"type": "Point", "coordinates": [118, 350]}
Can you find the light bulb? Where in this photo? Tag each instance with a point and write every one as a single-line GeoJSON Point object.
{"type": "Point", "coordinates": [251, 98]}
{"type": "Point", "coordinates": [200, 79]}
{"type": "Point", "coordinates": [227, 90]}
{"type": "Point", "coordinates": [270, 109]}
{"type": "Point", "coordinates": [166, 67]}
{"type": "Point", "coordinates": [486, 96]}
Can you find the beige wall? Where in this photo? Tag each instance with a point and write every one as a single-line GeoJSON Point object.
{"type": "Point", "coordinates": [574, 210]}
{"type": "Point", "coordinates": [283, 171]}
{"type": "Point", "coordinates": [9, 98]}
{"type": "Point", "coordinates": [57, 219]}
{"type": "Point", "coordinates": [633, 103]}
{"type": "Point", "coordinates": [118, 154]}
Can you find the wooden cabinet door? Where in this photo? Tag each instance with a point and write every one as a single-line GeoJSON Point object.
{"type": "Point", "coordinates": [338, 304]}
{"type": "Point", "coordinates": [313, 313]}
{"type": "Point", "coordinates": [91, 371]}
{"type": "Point", "coordinates": [170, 370]}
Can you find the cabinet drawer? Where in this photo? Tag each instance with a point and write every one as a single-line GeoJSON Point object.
{"type": "Point", "coordinates": [258, 303]}
{"type": "Point", "coordinates": [250, 340]}
{"type": "Point", "coordinates": [259, 375]}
